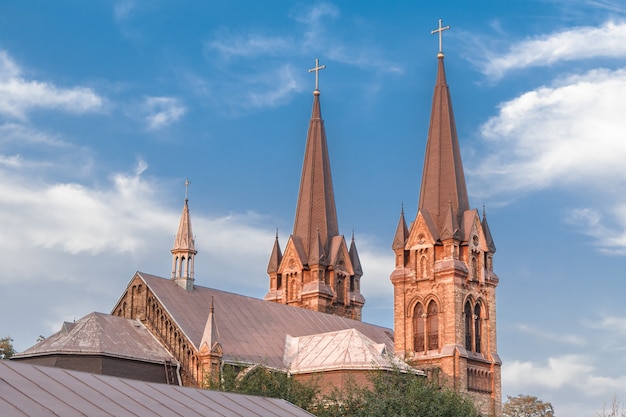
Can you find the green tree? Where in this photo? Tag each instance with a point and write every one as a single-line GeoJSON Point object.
{"type": "Point", "coordinates": [262, 381]}
{"type": "Point", "coordinates": [396, 394]}
{"type": "Point", "coordinates": [388, 394]}
{"type": "Point", "coordinates": [526, 406]}
{"type": "Point", "coordinates": [6, 348]}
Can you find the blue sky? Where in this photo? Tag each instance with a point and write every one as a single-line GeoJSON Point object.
{"type": "Point", "coordinates": [107, 106]}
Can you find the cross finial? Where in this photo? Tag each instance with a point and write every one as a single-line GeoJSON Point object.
{"type": "Point", "coordinates": [440, 31]}
{"type": "Point", "coordinates": [317, 69]}
{"type": "Point", "coordinates": [187, 182]}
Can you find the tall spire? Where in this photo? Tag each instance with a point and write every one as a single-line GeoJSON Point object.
{"type": "Point", "coordinates": [316, 200]}
{"type": "Point", "coordinates": [317, 271]}
{"type": "Point", "coordinates": [443, 182]}
{"type": "Point", "coordinates": [184, 250]}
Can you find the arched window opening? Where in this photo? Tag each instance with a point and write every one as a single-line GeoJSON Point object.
{"type": "Point", "coordinates": [468, 325]}
{"type": "Point", "coordinates": [340, 291]}
{"type": "Point", "coordinates": [477, 327]}
{"type": "Point", "coordinates": [418, 328]}
{"type": "Point", "coordinates": [292, 290]}
{"type": "Point", "coordinates": [433, 326]}
{"type": "Point", "coordinates": [279, 281]}
{"type": "Point", "coordinates": [474, 268]}
{"type": "Point", "coordinates": [423, 267]}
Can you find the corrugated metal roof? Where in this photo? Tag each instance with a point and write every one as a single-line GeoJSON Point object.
{"type": "Point", "coordinates": [99, 333]}
{"type": "Point", "coordinates": [28, 390]}
{"type": "Point", "coordinates": [251, 330]}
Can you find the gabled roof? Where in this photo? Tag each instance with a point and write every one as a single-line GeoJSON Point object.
{"type": "Point", "coordinates": [443, 180]}
{"type": "Point", "coordinates": [29, 390]}
{"type": "Point", "coordinates": [102, 334]}
{"type": "Point", "coordinates": [343, 349]}
{"type": "Point", "coordinates": [316, 209]}
{"type": "Point", "coordinates": [250, 330]}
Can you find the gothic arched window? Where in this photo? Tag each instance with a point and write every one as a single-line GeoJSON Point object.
{"type": "Point", "coordinates": [474, 268]}
{"type": "Point", "coordinates": [418, 328]}
{"type": "Point", "coordinates": [468, 325]}
{"type": "Point", "coordinates": [432, 324]}
{"type": "Point", "coordinates": [292, 290]}
{"type": "Point", "coordinates": [423, 267]}
{"type": "Point", "coordinates": [477, 327]}
{"type": "Point", "coordinates": [340, 291]}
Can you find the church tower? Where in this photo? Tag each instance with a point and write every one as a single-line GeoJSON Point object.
{"type": "Point", "coordinates": [317, 271]}
{"type": "Point", "coordinates": [444, 284]}
{"type": "Point", "coordinates": [184, 251]}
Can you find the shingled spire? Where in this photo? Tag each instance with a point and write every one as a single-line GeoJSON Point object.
{"type": "Point", "coordinates": [316, 200]}
{"type": "Point", "coordinates": [443, 182]}
{"type": "Point", "coordinates": [184, 250]}
{"type": "Point", "coordinates": [317, 269]}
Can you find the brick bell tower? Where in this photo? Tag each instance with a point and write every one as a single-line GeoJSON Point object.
{"type": "Point", "coordinates": [444, 284]}
{"type": "Point", "coordinates": [317, 270]}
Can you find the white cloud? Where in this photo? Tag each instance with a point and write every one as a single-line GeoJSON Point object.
{"type": "Point", "coordinates": [230, 45]}
{"type": "Point", "coordinates": [595, 223]}
{"type": "Point", "coordinates": [614, 325]}
{"type": "Point", "coordinates": [569, 339]}
{"type": "Point", "coordinates": [566, 371]}
{"type": "Point", "coordinates": [18, 96]}
{"type": "Point", "coordinates": [247, 87]}
{"type": "Point", "coordinates": [566, 134]}
{"type": "Point", "coordinates": [275, 88]}
{"type": "Point", "coordinates": [160, 112]}
{"type": "Point", "coordinates": [572, 44]}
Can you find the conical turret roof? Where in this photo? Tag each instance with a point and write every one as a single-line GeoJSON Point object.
{"type": "Point", "coordinates": [402, 233]}
{"type": "Point", "coordinates": [184, 237]}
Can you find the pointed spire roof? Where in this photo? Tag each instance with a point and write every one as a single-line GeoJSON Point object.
{"type": "Point", "coordinates": [490, 244]}
{"type": "Point", "coordinates": [211, 335]}
{"type": "Point", "coordinates": [402, 233]}
{"type": "Point", "coordinates": [316, 253]}
{"type": "Point", "coordinates": [443, 181]}
{"type": "Point", "coordinates": [184, 238]}
{"type": "Point", "coordinates": [315, 212]}
{"type": "Point", "coordinates": [275, 257]}
{"type": "Point", "coordinates": [354, 258]}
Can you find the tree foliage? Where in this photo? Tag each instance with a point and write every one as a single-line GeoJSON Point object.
{"type": "Point", "coordinates": [265, 382]}
{"type": "Point", "coordinates": [397, 394]}
{"type": "Point", "coordinates": [389, 394]}
{"type": "Point", "coordinates": [526, 406]}
{"type": "Point", "coordinates": [6, 347]}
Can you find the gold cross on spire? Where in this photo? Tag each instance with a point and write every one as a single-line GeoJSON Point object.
{"type": "Point", "coordinates": [440, 31]}
{"type": "Point", "coordinates": [186, 184]}
{"type": "Point", "coordinates": [317, 69]}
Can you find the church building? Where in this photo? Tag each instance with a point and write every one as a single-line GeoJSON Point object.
{"type": "Point", "coordinates": [317, 271]}
{"type": "Point", "coordinates": [444, 284]}
{"type": "Point", "coordinates": [309, 322]}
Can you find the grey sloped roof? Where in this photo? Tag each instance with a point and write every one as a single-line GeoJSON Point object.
{"type": "Point", "coordinates": [103, 334]}
{"type": "Point", "coordinates": [28, 390]}
{"type": "Point", "coordinates": [343, 349]}
{"type": "Point", "coordinates": [250, 330]}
